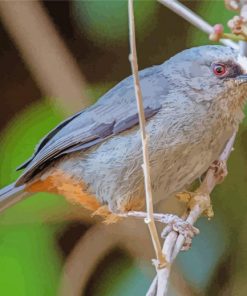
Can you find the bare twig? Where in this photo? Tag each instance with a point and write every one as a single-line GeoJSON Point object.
{"type": "Point", "coordinates": [146, 167]}
{"type": "Point", "coordinates": [194, 19]}
{"type": "Point", "coordinates": [197, 205]}
{"type": "Point", "coordinates": [243, 13]}
{"type": "Point", "coordinates": [200, 202]}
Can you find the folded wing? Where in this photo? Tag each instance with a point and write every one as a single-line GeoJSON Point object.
{"type": "Point", "coordinates": [114, 113]}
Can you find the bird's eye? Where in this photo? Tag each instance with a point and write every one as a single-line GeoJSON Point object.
{"type": "Point", "coordinates": [219, 70]}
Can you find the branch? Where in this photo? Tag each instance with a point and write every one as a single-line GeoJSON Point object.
{"type": "Point", "coordinates": [243, 44]}
{"type": "Point", "coordinates": [198, 204]}
{"type": "Point", "coordinates": [146, 167]}
{"type": "Point", "coordinates": [194, 19]}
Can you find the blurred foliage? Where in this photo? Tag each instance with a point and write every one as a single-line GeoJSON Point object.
{"type": "Point", "coordinates": [208, 10]}
{"type": "Point", "coordinates": [17, 144]}
{"type": "Point", "coordinates": [27, 246]}
{"type": "Point", "coordinates": [30, 263]}
{"type": "Point", "coordinates": [122, 277]}
{"type": "Point", "coordinates": [23, 134]}
{"type": "Point", "coordinates": [106, 22]}
{"type": "Point", "coordinates": [206, 251]}
{"type": "Point", "coordinates": [28, 253]}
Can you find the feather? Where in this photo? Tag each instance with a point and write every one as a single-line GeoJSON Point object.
{"type": "Point", "coordinates": [114, 113]}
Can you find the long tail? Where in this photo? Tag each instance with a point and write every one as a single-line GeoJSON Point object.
{"type": "Point", "coordinates": [10, 195]}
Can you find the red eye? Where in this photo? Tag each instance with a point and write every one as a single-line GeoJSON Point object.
{"type": "Point", "coordinates": [219, 69]}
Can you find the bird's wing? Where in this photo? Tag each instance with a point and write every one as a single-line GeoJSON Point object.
{"type": "Point", "coordinates": [46, 139]}
{"type": "Point", "coordinates": [114, 113]}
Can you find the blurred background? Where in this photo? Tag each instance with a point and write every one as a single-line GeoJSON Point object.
{"type": "Point", "coordinates": [56, 58]}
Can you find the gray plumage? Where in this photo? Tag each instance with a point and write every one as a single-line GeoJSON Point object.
{"type": "Point", "coordinates": [191, 114]}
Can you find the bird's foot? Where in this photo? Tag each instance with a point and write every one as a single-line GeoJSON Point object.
{"type": "Point", "coordinates": [220, 170]}
{"type": "Point", "coordinates": [182, 227]}
{"type": "Point", "coordinates": [174, 223]}
{"type": "Point", "coordinates": [197, 198]}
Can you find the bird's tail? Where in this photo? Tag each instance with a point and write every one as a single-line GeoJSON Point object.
{"type": "Point", "coordinates": [10, 195]}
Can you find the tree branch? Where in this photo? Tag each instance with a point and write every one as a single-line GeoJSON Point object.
{"type": "Point", "coordinates": [146, 167]}
{"type": "Point", "coordinates": [198, 204]}
{"type": "Point", "coordinates": [194, 19]}
{"type": "Point", "coordinates": [243, 44]}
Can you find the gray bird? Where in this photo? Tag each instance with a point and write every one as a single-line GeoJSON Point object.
{"type": "Point", "coordinates": [193, 103]}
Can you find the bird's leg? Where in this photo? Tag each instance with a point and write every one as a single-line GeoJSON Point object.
{"type": "Point", "coordinates": [182, 227]}
{"type": "Point", "coordinates": [220, 170]}
{"type": "Point", "coordinates": [198, 197]}
{"type": "Point", "coordinates": [174, 223]}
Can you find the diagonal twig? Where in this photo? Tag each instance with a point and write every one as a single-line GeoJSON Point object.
{"type": "Point", "coordinates": [201, 200]}
{"type": "Point", "coordinates": [194, 19]}
{"type": "Point", "coordinates": [146, 167]}
{"type": "Point", "coordinates": [174, 242]}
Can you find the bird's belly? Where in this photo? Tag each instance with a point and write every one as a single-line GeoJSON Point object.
{"type": "Point", "coordinates": [181, 174]}
{"type": "Point", "coordinates": [113, 173]}
{"type": "Point", "coordinates": [186, 164]}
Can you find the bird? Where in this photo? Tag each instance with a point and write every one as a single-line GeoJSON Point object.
{"type": "Point", "coordinates": [193, 103]}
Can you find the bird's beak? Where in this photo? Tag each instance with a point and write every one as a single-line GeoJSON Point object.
{"type": "Point", "coordinates": [241, 79]}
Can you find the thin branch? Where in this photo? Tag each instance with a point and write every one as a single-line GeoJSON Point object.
{"type": "Point", "coordinates": [243, 44]}
{"type": "Point", "coordinates": [197, 205]}
{"type": "Point", "coordinates": [201, 200]}
{"type": "Point", "coordinates": [194, 19]}
{"type": "Point", "coordinates": [144, 137]}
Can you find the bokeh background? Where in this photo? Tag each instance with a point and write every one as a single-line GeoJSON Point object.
{"type": "Point", "coordinates": [58, 57]}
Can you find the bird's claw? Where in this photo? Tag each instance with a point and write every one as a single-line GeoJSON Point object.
{"type": "Point", "coordinates": [173, 223]}
{"type": "Point", "coordinates": [197, 197]}
{"type": "Point", "coordinates": [182, 227]}
{"type": "Point", "coordinates": [220, 170]}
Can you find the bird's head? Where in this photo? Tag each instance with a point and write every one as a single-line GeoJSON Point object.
{"type": "Point", "coordinates": [211, 74]}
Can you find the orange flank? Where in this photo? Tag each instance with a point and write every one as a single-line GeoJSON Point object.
{"type": "Point", "coordinates": [75, 191]}
{"type": "Point", "coordinates": [60, 183]}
